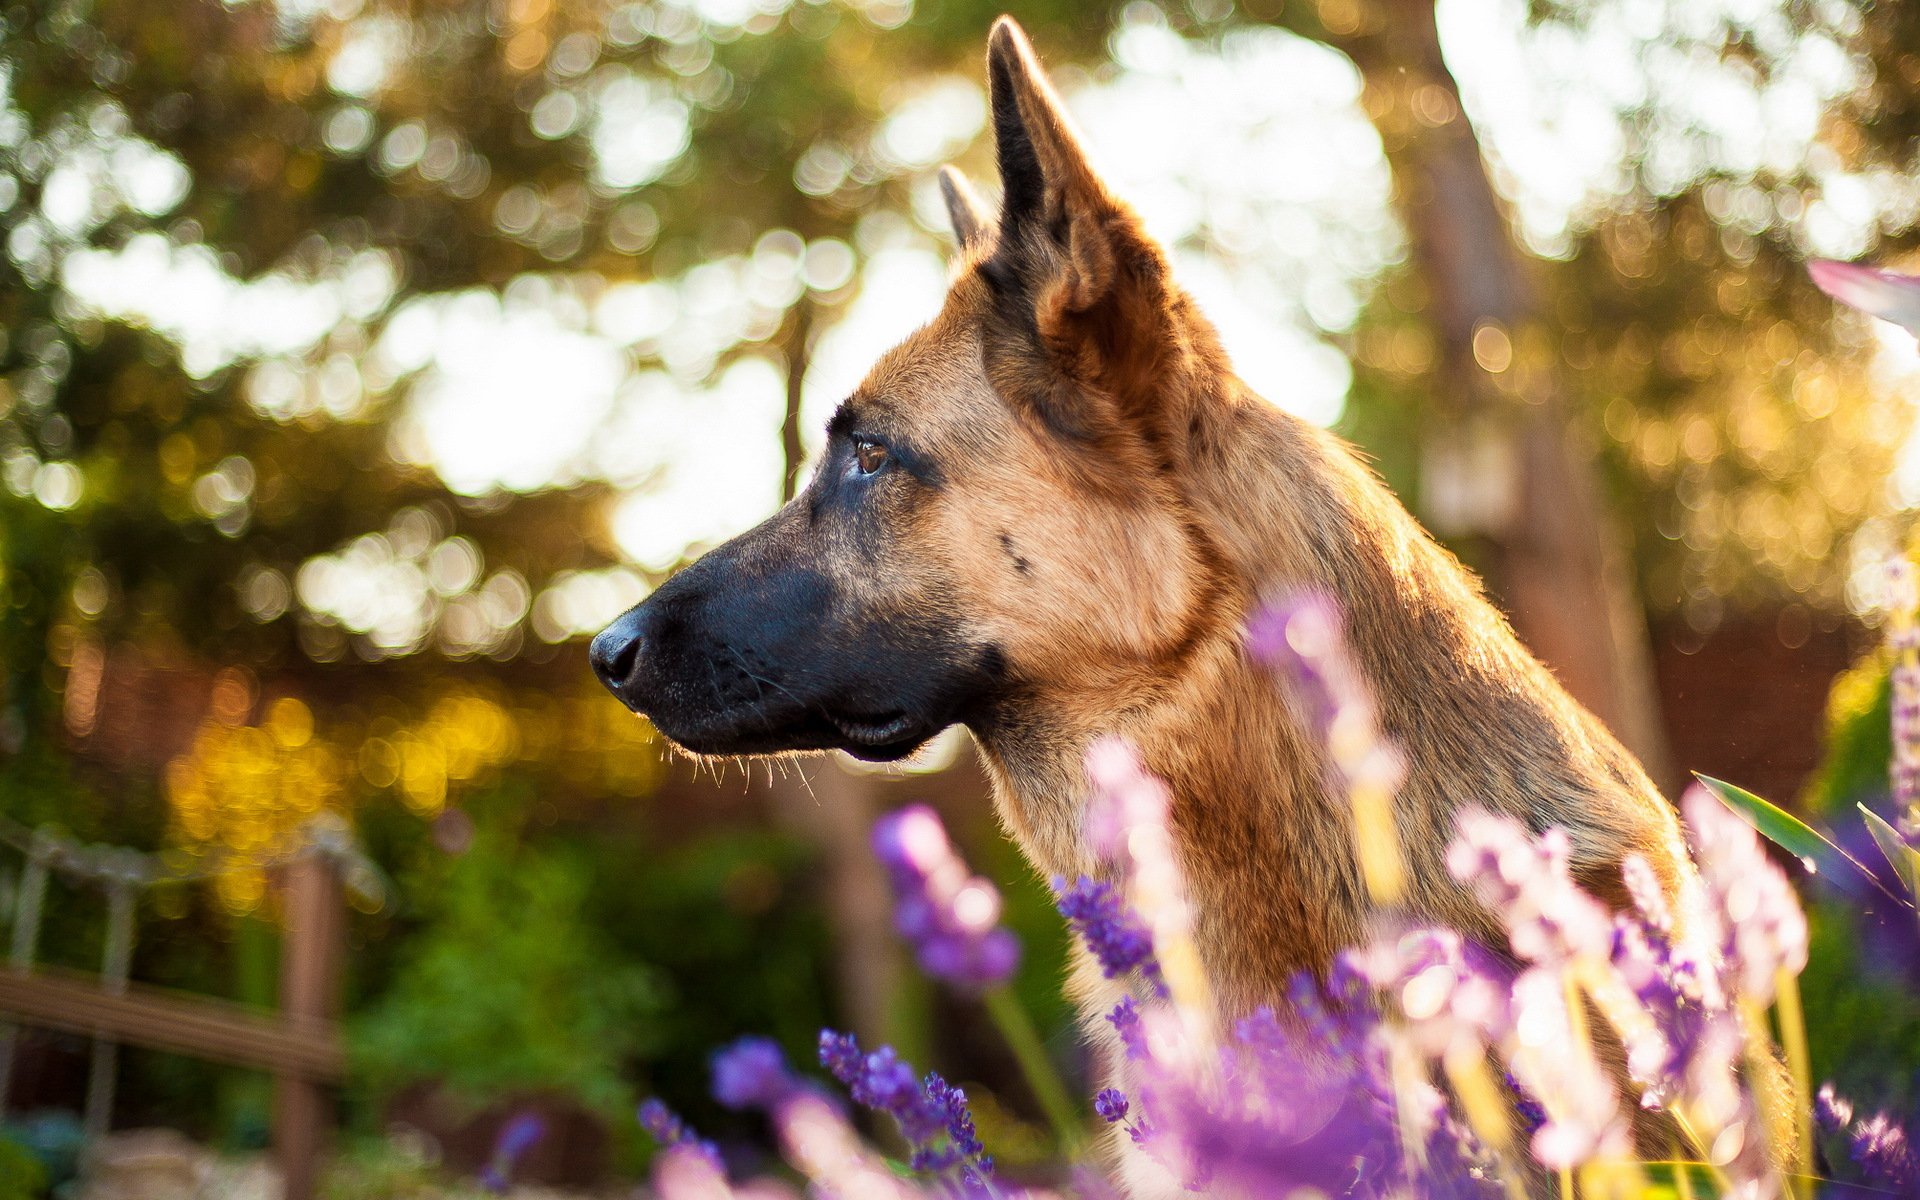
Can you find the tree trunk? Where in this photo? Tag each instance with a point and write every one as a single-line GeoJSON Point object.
{"type": "Point", "coordinates": [1509, 461]}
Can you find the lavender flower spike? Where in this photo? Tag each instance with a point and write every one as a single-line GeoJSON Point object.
{"type": "Point", "coordinates": [1525, 881]}
{"type": "Point", "coordinates": [1903, 640]}
{"type": "Point", "coordinates": [1114, 933]}
{"type": "Point", "coordinates": [932, 1113]}
{"type": "Point", "coordinates": [950, 915]}
{"type": "Point", "coordinates": [671, 1132]}
{"type": "Point", "coordinates": [515, 1138]}
{"type": "Point", "coordinates": [1760, 926]}
{"type": "Point", "coordinates": [1303, 639]}
{"type": "Point", "coordinates": [1127, 823]}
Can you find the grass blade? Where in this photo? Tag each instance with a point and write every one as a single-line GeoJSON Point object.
{"type": "Point", "coordinates": [1802, 841]}
{"type": "Point", "coordinates": [1904, 859]}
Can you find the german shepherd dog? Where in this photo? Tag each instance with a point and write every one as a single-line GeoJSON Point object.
{"type": "Point", "coordinates": [1047, 516]}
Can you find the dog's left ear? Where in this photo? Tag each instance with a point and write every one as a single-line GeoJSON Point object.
{"type": "Point", "coordinates": [1073, 264]}
{"type": "Point", "coordinates": [972, 223]}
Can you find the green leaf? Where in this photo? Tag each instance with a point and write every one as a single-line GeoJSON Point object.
{"type": "Point", "coordinates": [1663, 1179]}
{"type": "Point", "coordinates": [1801, 840]}
{"type": "Point", "coordinates": [1905, 859]}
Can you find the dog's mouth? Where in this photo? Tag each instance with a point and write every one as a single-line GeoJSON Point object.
{"type": "Point", "coordinates": [873, 731]}
{"type": "Point", "coordinates": [884, 738]}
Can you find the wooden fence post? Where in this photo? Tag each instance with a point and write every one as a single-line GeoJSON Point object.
{"type": "Point", "coordinates": [115, 961]}
{"type": "Point", "coordinates": [310, 961]}
{"type": "Point", "coordinates": [28, 906]}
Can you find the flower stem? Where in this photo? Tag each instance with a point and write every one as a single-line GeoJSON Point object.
{"type": "Point", "coordinates": [1793, 1038]}
{"type": "Point", "coordinates": [1017, 1028]}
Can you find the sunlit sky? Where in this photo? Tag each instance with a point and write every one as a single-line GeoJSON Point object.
{"type": "Point", "coordinates": [1253, 162]}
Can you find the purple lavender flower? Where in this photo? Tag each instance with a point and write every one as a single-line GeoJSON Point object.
{"type": "Point", "coordinates": [1756, 918]}
{"type": "Point", "coordinates": [949, 915]}
{"type": "Point", "coordinates": [931, 1113]}
{"type": "Point", "coordinates": [1525, 882]}
{"type": "Point", "coordinates": [1126, 796]}
{"type": "Point", "coordinates": [1445, 1005]}
{"type": "Point", "coordinates": [517, 1136]}
{"type": "Point", "coordinates": [1903, 641]}
{"type": "Point", "coordinates": [963, 1142]}
{"type": "Point", "coordinates": [667, 1129]}
{"type": "Point", "coordinates": [1303, 639]}
{"type": "Point", "coordinates": [1833, 1111]}
{"type": "Point", "coordinates": [1110, 928]}
{"type": "Point", "coordinates": [752, 1073]}
{"type": "Point", "coordinates": [1558, 1067]}
{"type": "Point", "coordinates": [1527, 1109]}
{"type": "Point", "coordinates": [1125, 1019]}
{"type": "Point", "coordinates": [1111, 1105]}
{"type": "Point", "coordinates": [1884, 1155]}
{"type": "Point", "coordinates": [1878, 1145]}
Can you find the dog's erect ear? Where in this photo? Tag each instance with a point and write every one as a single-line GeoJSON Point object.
{"type": "Point", "coordinates": [1073, 264]}
{"type": "Point", "coordinates": [972, 223]}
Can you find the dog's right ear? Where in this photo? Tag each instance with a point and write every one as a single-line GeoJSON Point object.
{"type": "Point", "coordinates": [1075, 271]}
{"type": "Point", "coordinates": [972, 223]}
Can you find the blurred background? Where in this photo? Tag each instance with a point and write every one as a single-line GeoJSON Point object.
{"type": "Point", "coordinates": [359, 359]}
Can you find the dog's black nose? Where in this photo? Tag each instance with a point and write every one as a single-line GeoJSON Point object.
{"type": "Point", "coordinates": [615, 650]}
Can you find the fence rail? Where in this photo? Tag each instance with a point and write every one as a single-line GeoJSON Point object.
{"type": "Point", "coordinates": [215, 1030]}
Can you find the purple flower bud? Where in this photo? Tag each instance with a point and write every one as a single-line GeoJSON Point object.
{"type": "Point", "coordinates": [518, 1135]}
{"type": "Point", "coordinates": [911, 839]}
{"type": "Point", "coordinates": [1111, 1104]}
{"type": "Point", "coordinates": [1125, 1019]}
{"type": "Point", "coordinates": [1884, 1155]}
{"type": "Point", "coordinates": [752, 1073]}
{"type": "Point", "coordinates": [1833, 1111]}
{"type": "Point", "coordinates": [670, 1131]}
{"type": "Point", "coordinates": [515, 1137]}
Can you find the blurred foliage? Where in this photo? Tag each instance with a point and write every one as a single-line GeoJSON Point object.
{"type": "Point", "coordinates": [1859, 743]}
{"type": "Point", "coordinates": [53, 1140]}
{"type": "Point", "coordinates": [1747, 433]}
{"type": "Point", "coordinates": [21, 1174]}
{"type": "Point", "coordinates": [391, 1168]}
{"type": "Point", "coordinates": [1863, 1013]}
{"type": "Point", "coordinates": [506, 988]}
{"type": "Point", "coordinates": [1862, 983]}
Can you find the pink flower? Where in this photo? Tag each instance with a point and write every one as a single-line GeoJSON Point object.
{"type": "Point", "coordinates": [1884, 294]}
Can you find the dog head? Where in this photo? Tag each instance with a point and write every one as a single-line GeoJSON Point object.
{"type": "Point", "coordinates": [999, 513]}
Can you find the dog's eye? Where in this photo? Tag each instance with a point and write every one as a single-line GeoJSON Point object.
{"type": "Point", "coordinates": [869, 456]}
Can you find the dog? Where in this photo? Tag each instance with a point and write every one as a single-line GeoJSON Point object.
{"type": "Point", "coordinates": [1047, 516]}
